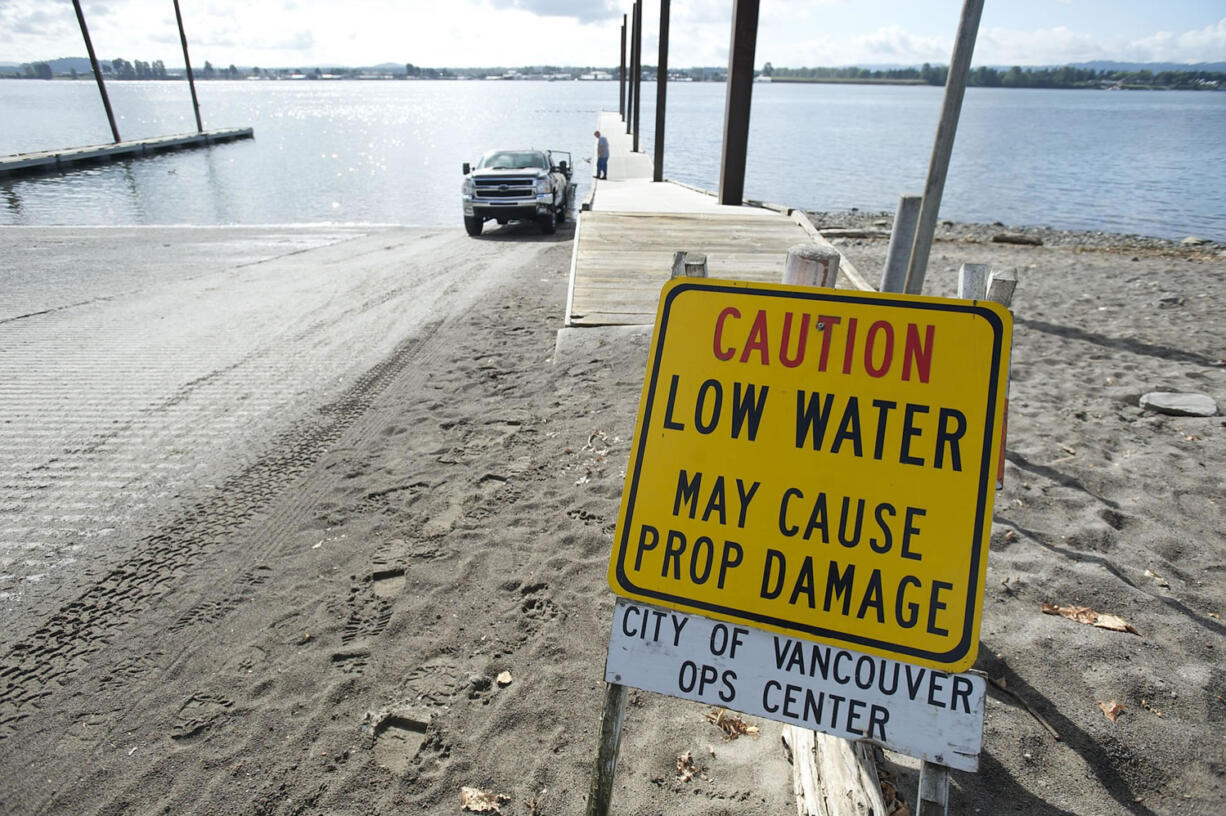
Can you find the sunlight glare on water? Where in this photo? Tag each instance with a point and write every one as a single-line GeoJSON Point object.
{"type": "Point", "coordinates": [390, 151]}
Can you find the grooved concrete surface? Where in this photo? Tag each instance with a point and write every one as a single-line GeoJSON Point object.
{"type": "Point", "coordinates": [140, 367]}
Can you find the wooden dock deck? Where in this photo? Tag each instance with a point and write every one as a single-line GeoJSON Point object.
{"type": "Point", "coordinates": [45, 160]}
{"type": "Point", "coordinates": [631, 227]}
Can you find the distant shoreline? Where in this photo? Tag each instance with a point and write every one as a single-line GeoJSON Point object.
{"type": "Point", "coordinates": [679, 80]}
{"type": "Point", "coordinates": [840, 81]}
{"type": "Point", "coordinates": [1161, 77]}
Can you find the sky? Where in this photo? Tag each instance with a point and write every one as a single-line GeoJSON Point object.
{"type": "Point", "coordinates": [511, 33]}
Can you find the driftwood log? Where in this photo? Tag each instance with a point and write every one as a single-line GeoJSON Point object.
{"type": "Point", "coordinates": [855, 233]}
{"type": "Point", "coordinates": [1015, 238]}
{"type": "Point", "coordinates": [831, 776]}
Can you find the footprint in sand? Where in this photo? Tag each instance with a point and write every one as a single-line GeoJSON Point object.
{"type": "Point", "coordinates": [388, 583]}
{"type": "Point", "coordinates": [197, 714]}
{"type": "Point", "coordinates": [398, 738]}
{"type": "Point", "coordinates": [368, 615]}
{"type": "Point", "coordinates": [388, 573]}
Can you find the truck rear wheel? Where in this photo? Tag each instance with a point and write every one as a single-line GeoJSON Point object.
{"type": "Point", "coordinates": [472, 223]}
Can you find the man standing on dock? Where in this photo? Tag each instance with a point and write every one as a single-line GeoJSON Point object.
{"type": "Point", "coordinates": [602, 156]}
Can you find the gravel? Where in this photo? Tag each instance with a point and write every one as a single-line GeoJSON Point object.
{"type": "Point", "coordinates": [984, 233]}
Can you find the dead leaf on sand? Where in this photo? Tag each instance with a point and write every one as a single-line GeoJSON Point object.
{"type": "Point", "coordinates": [731, 724]}
{"type": "Point", "coordinates": [1084, 614]}
{"type": "Point", "coordinates": [1111, 710]}
{"type": "Point", "coordinates": [476, 800]}
{"type": "Point", "coordinates": [686, 769]}
{"type": "Point", "coordinates": [534, 804]}
{"type": "Point", "coordinates": [1157, 579]}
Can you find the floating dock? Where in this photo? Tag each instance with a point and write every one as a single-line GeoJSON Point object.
{"type": "Point", "coordinates": [630, 228]}
{"type": "Point", "coordinates": [20, 163]}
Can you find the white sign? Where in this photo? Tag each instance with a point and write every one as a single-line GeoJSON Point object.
{"type": "Point", "coordinates": [907, 708]}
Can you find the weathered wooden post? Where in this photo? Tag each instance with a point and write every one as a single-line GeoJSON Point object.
{"type": "Point", "coordinates": [902, 238]}
{"type": "Point", "coordinates": [600, 795]}
{"type": "Point", "coordinates": [811, 265]}
{"type": "Point", "coordinates": [736, 106]}
{"type": "Point", "coordinates": [689, 265]}
{"type": "Point", "coordinates": [1001, 286]}
{"type": "Point", "coordinates": [933, 797]}
{"type": "Point", "coordinates": [93, 61]}
{"type": "Point", "coordinates": [830, 775]}
{"type": "Point", "coordinates": [974, 283]}
{"type": "Point", "coordinates": [943, 145]}
{"type": "Point", "coordinates": [621, 77]}
{"type": "Point", "coordinates": [191, 80]}
{"type": "Point", "coordinates": [661, 93]}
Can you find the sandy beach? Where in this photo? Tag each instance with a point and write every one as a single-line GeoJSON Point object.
{"type": "Point", "coordinates": [400, 590]}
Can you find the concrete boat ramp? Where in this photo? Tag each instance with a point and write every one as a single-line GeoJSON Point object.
{"type": "Point", "coordinates": [631, 227]}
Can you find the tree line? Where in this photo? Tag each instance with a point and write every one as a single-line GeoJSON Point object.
{"type": "Point", "coordinates": [123, 69]}
{"type": "Point", "coordinates": [1065, 76]}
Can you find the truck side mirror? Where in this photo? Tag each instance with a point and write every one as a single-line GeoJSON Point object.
{"type": "Point", "coordinates": [467, 168]}
{"type": "Point", "coordinates": [564, 168]}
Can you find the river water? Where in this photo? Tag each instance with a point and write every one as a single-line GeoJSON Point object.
{"type": "Point", "coordinates": [1152, 163]}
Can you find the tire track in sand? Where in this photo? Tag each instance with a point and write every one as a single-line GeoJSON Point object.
{"type": "Point", "coordinates": [37, 666]}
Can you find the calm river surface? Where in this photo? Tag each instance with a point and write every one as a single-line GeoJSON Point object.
{"type": "Point", "coordinates": [1152, 163]}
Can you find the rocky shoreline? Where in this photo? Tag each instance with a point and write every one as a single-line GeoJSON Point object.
{"type": "Point", "coordinates": [871, 223]}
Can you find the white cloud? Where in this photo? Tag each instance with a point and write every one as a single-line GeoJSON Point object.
{"type": "Point", "coordinates": [1207, 44]}
{"type": "Point", "coordinates": [1045, 46]}
{"type": "Point", "coordinates": [1054, 46]}
{"type": "Point", "coordinates": [886, 45]}
{"type": "Point", "coordinates": [701, 12]}
{"type": "Point", "coordinates": [584, 12]}
{"type": "Point", "coordinates": [38, 30]}
{"type": "Point", "coordinates": [892, 44]}
{"type": "Point", "coordinates": [295, 33]}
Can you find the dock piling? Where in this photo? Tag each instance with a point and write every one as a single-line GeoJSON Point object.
{"type": "Point", "coordinates": [187, 61]}
{"type": "Point", "coordinates": [736, 108]}
{"type": "Point", "coordinates": [636, 72]}
{"type": "Point", "coordinates": [689, 265]}
{"type": "Point", "coordinates": [811, 265]}
{"type": "Point", "coordinates": [661, 93]}
{"type": "Point", "coordinates": [902, 238]}
{"type": "Point", "coordinates": [93, 61]}
{"type": "Point", "coordinates": [621, 78]}
{"type": "Point", "coordinates": [943, 144]}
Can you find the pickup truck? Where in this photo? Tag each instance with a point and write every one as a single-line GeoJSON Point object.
{"type": "Point", "coordinates": [510, 185]}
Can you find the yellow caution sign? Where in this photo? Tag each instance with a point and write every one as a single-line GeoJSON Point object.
{"type": "Point", "coordinates": [820, 463]}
